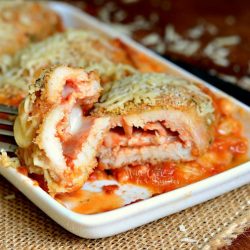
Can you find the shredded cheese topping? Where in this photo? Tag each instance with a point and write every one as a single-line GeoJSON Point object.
{"type": "Point", "coordinates": [153, 89]}
{"type": "Point", "coordinates": [73, 48]}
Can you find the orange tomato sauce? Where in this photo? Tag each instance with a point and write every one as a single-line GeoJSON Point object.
{"type": "Point", "coordinates": [11, 96]}
{"type": "Point", "coordinates": [86, 202]}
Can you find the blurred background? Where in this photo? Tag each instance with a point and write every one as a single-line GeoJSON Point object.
{"type": "Point", "coordinates": [208, 38]}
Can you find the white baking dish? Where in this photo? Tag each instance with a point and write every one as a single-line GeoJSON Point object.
{"type": "Point", "coordinates": [134, 215]}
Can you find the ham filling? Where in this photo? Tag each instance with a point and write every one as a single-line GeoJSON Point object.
{"type": "Point", "coordinates": [151, 143]}
{"type": "Point", "coordinates": [151, 134]}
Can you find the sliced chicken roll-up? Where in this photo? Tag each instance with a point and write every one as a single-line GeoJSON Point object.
{"type": "Point", "coordinates": [155, 118]}
{"type": "Point", "coordinates": [56, 137]}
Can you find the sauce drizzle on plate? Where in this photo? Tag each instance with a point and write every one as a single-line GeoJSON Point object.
{"type": "Point", "coordinates": [86, 202]}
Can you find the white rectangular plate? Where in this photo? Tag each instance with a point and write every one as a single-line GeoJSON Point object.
{"type": "Point", "coordinates": [128, 217]}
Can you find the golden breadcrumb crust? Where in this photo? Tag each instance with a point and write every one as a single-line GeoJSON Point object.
{"type": "Point", "coordinates": [147, 91]}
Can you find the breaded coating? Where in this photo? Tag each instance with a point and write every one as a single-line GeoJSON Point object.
{"type": "Point", "coordinates": [55, 136]}
{"type": "Point", "coordinates": [147, 91]}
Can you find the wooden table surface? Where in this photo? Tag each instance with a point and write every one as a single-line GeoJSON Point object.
{"type": "Point", "coordinates": [242, 242]}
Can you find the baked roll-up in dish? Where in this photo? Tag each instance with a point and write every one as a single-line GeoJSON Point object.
{"type": "Point", "coordinates": [144, 118]}
{"type": "Point", "coordinates": [55, 135]}
{"type": "Point", "coordinates": [24, 22]}
{"type": "Point", "coordinates": [155, 118]}
{"type": "Point", "coordinates": [74, 48]}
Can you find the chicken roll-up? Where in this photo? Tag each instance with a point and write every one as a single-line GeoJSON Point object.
{"type": "Point", "coordinates": [55, 135]}
{"type": "Point", "coordinates": [154, 118]}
